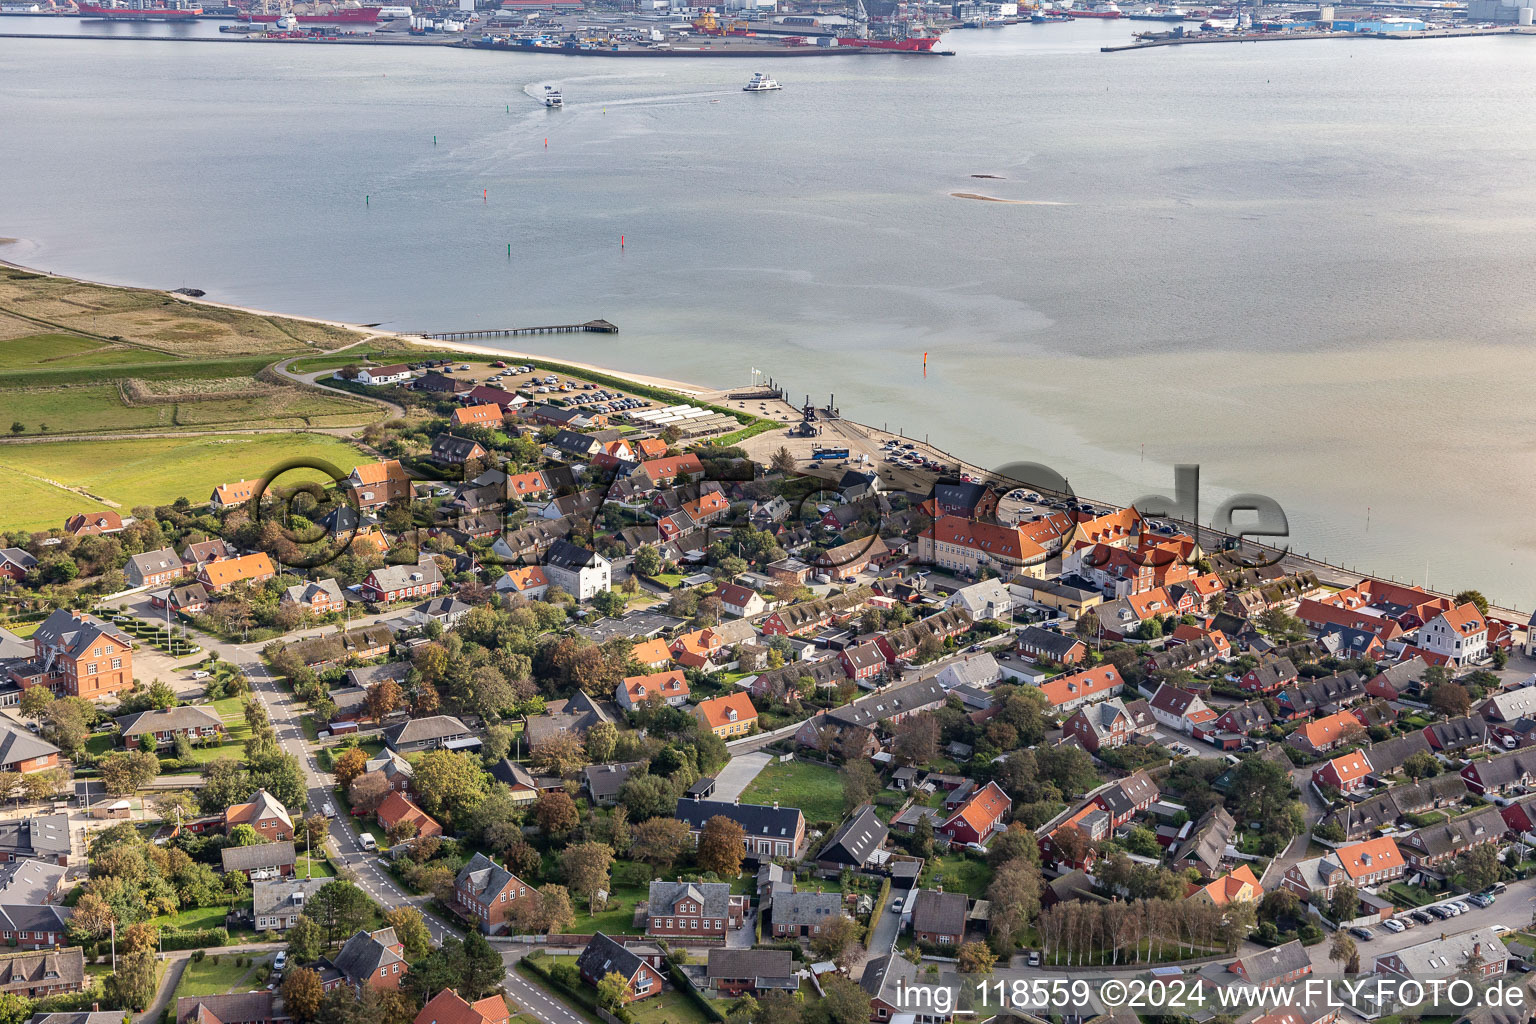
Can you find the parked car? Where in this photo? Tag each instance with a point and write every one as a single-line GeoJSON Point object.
{"type": "Point", "coordinates": [1393, 926]}
{"type": "Point", "coordinates": [281, 960]}
{"type": "Point", "coordinates": [1479, 900]}
{"type": "Point", "coordinates": [1420, 916]}
{"type": "Point", "coordinates": [1442, 913]}
{"type": "Point", "coordinates": [1363, 934]}
{"type": "Point", "coordinates": [1461, 908]}
{"type": "Point", "coordinates": [1034, 958]}
{"type": "Point", "coordinates": [200, 674]}
{"type": "Point", "coordinates": [1406, 921]}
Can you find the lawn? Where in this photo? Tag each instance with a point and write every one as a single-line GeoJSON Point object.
{"type": "Point", "coordinates": [618, 918]}
{"type": "Point", "coordinates": [207, 978]}
{"type": "Point", "coordinates": [669, 580]}
{"type": "Point", "coordinates": [814, 788]}
{"type": "Point", "coordinates": [360, 354]}
{"type": "Point", "coordinates": [313, 865]}
{"type": "Point", "coordinates": [147, 471]}
{"type": "Point", "coordinates": [47, 350]}
{"type": "Point", "coordinates": [672, 1007]}
{"type": "Point", "coordinates": [191, 919]}
{"type": "Point", "coordinates": [959, 873]}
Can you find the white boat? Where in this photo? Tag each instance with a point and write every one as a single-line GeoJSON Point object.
{"type": "Point", "coordinates": [552, 97]}
{"type": "Point", "coordinates": [761, 83]}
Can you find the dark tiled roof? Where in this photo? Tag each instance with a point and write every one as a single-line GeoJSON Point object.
{"type": "Point", "coordinates": [365, 953]}
{"type": "Point", "coordinates": [754, 819]}
{"type": "Point", "coordinates": [262, 855]}
{"type": "Point", "coordinates": [857, 838]}
{"type": "Point", "coordinates": [941, 913]}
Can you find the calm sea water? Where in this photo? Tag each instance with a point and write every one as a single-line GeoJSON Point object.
{"type": "Point", "coordinates": [1303, 265]}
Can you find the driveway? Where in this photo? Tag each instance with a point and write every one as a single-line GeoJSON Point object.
{"type": "Point", "coordinates": [738, 774]}
{"type": "Point", "coordinates": [883, 939]}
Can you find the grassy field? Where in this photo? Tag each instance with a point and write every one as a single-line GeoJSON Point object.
{"type": "Point", "coordinates": [360, 355]}
{"type": "Point", "coordinates": [99, 408]}
{"type": "Point", "coordinates": [960, 874]}
{"type": "Point", "coordinates": [206, 978]}
{"type": "Point", "coordinates": [190, 919]}
{"type": "Point", "coordinates": [151, 319]}
{"type": "Point", "coordinates": [52, 350]}
{"type": "Point", "coordinates": [312, 866]}
{"type": "Point", "coordinates": [146, 471]}
{"type": "Point", "coordinates": [672, 1007]}
{"type": "Point", "coordinates": [814, 788]}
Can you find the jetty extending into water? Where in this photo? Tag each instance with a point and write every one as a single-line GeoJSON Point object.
{"type": "Point", "coordinates": [591, 326]}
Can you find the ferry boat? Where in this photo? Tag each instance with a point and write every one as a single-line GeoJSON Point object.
{"type": "Point", "coordinates": [1156, 14]}
{"type": "Point", "coordinates": [1049, 17]}
{"type": "Point", "coordinates": [552, 97]}
{"type": "Point", "coordinates": [139, 10]}
{"type": "Point", "coordinates": [1099, 11]}
{"type": "Point", "coordinates": [761, 83]}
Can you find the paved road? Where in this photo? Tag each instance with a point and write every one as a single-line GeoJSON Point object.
{"type": "Point", "coordinates": [883, 939]}
{"type": "Point", "coordinates": [533, 999]}
{"type": "Point", "coordinates": [1513, 910]}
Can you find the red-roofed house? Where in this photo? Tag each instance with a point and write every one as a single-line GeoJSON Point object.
{"type": "Point", "coordinates": [1459, 636]}
{"type": "Point", "coordinates": [377, 483]}
{"type": "Point", "coordinates": [1071, 692]}
{"type": "Point", "coordinates": [970, 545]}
{"type": "Point", "coordinates": [1346, 773]}
{"type": "Point", "coordinates": [668, 471]}
{"type": "Point", "coordinates": [978, 817]}
{"type": "Point", "coordinates": [1237, 887]}
{"type": "Point", "coordinates": [634, 691]}
{"type": "Point", "coordinates": [742, 602]}
{"type": "Point", "coordinates": [397, 807]}
{"type": "Point", "coordinates": [1325, 733]}
{"type": "Point", "coordinates": [479, 416]}
{"type": "Point", "coordinates": [237, 493]}
{"type": "Point", "coordinates": [728, 716]}
{"type": "Point", "coordinates": [448, 1007]}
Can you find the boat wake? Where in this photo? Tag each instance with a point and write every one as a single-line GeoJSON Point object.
{"type": "Point", "coordinates": [1011, 202]}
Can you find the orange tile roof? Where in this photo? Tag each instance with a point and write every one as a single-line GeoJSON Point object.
{"type": "Point", "coordinates": [478, 415]}
{"type": "Point", "coordinates": [668, 684]}
{"type": "Point", "coordinates": [983, 808]}
{"type": "Point", "coordinates": [1207, 584]}
{"type": "Point", "coordinates": [231, 494]}
{"type": "Point", "coordinates": [369, 542]}
{"type": "Point", "coordinates": [1350, 767]}
{"type": "Point", "coordinates": [1107, 529]}
{"type": "Point", "coordinates": [1369, 857]}
{"type": "Point", "coordinates": [1088, 683]}
{"type": "Point", "coordinates": [715, 713]}
{"type": "Point", "coordinates": [651, 652]}
{"type": "Point", "coordinates": [1150, 604]}
{"type": "Point", "coordinates": [1466, 620]}
{"type": "Point", "coordinates": [667, 469]}
{"type": "Point", "coordinates": [1239, 885]}
{"type": "Point", "coordinates": [232, 570]}
{"type": "Point", "coordinates": [527, 577]}
{"type": "Point", "coordinates": [397, 807]}
{"type": "Point", "coordinates": [706, 504]}
{"type": "Point", "coordinates": [379, 472]}
{"type": "Point", "coordinates": [1326, 731]}
{"type": "Point", "coordinates": [527, 483]}
{"type": "Point", "coordinates": [448, 1007]}
{"type": "Point", "coordinates": [988, 538]}
{"type": "Point", "coordinates": [652, 447]}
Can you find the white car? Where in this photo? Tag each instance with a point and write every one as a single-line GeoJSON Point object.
{"type": "Point", "coordinates": [1393, 926]}
{"type": "Point", "coordinates": [200, 674]}
{"type": "Point", "coordinates": [281, 960]}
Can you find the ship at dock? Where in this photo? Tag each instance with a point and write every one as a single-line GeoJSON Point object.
{"type": "Point", "coordinates": [323, 14]}
{"type": "Point", "coordinates": [139, 10]}
{"type": "Point", "coordinates": [906, 36]}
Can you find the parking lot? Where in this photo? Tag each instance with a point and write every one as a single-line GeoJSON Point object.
{"type": "Point", "coordinates": [540, 384]}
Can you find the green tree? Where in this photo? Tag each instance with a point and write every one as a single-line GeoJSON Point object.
{"type": "Point", "coordinates": [1345, 904]}
{"type": "Point", "coordinates": [481, 969]}
{"type": "Point", "coordinates": [340, 908]}
{"type": "Point", "coordinates": [411, 930]}
{"type": "Point", "coordinates": [612, 990]}
{"type": "Point", "coordinates": [1421, 765]}
{"type": "Point", "coordinates": [449, 783]}
{"type": "Point", "coordinates": [975, 958]}
{"type": "Point", "coordinates": [602, 738]}
{"type": "Point", "coordinates": [35, 701]}
{"type": "Point", "coordinates": [127, 771]}
{"type": "Point", "coordinates": [842, 1002]}
{"type": "Point", "coordinates": [15, 1008]}
{"type": "Point", "coordinates": [860, 784]}
{"type": "Point", "coordinates": [1476, 597]}
{"type": "Point", "coordinates": [585, 867]}
{"type": "Point", "coordinates": [1480, 867]}
{"type": "Point", "coordinates": [647, 561]}
{"type": "Point", "coordinates": [1342, 949]}
{"type": "Point", "coordinates": [133, 984]}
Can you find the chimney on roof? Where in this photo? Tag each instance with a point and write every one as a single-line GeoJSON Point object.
{"type": "Point", "coordinates": [941, 887]}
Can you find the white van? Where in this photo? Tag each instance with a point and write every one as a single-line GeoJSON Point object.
{"type": "Point", "coordinates": [367, 843]}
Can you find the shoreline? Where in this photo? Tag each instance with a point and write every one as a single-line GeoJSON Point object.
{"type": "Point", "coordinates": [366, 333]}
{"type": "Point", "coordinates": [850, 431]}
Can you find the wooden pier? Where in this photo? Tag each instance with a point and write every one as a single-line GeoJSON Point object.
{"type": "Point", "coordinates": [593, 326]}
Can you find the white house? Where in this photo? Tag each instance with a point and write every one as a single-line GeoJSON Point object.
{"type": "Point", "coordinates": [989, 599]}
{"type": "Point", "coordinates": [1460, 635]}
{"type": "Point", "coordinates": [373, 375]}
{"type": "Point", "coordinates": [583, 573]}
{"type": "Point", "coordinates": [742, 602]}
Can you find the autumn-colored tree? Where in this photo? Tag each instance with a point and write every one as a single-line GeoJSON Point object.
{"type": "Point", "coordinates": [917, 739]}
{"type": "Point", "coordinates": [367, 792]}
{"type": "Point", "coordinates": [349, 766]}
{"type": "Point", "coordinates": [302, 993]}
{"type": "Point", "coordinates": [838, 941]}
{"type": "Point", "coordinates": [560, 754]}
{"type": "Point", "coordinates": [384, 697]}
{"type": "Point", "coordinates": [612, 991]}
{"type": "Point", "coordinates": [92, 917]}
{"type": "Point", "coordinates": [586, 867]}
{"type": "Point", "coordinates": [1450, 699]}
{"type": "Point", "coordinates": [555, 812]}
{"type": "Point", "coordinates": [975, 958]}
{"type": "Point", "coordinates": [555, 910]}
{"type": "Point", "coordinates": [722, 843]}
{"type": "Point", "coordinates": [660, 841]}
